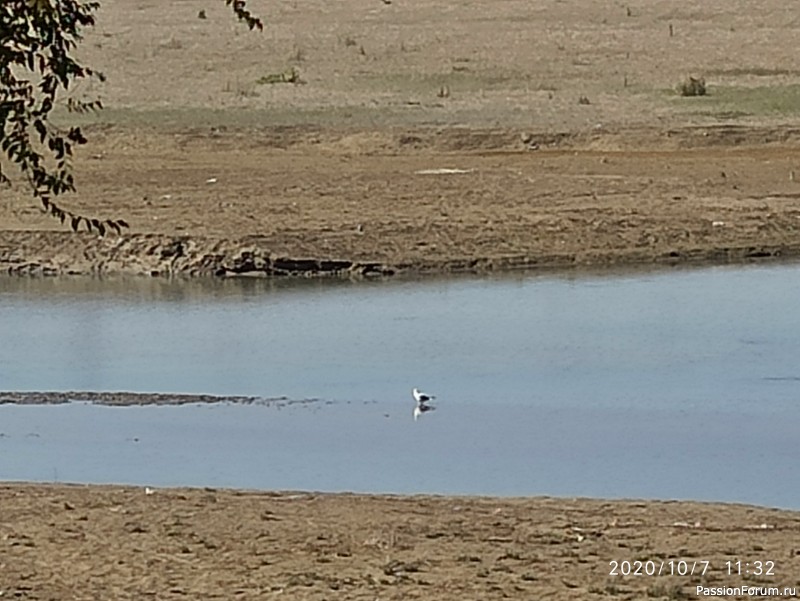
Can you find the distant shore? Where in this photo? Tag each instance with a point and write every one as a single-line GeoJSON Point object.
{"type": "Point", "coordinates": [340, 203]}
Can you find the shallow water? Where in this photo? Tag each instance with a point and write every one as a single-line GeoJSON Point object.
{"type": "Point", "coordinates": [371, 447]}
{"type": "Point", "coordinates": [677, 384]}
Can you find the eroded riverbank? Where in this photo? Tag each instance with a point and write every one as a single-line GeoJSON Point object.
{"type": "Point", "coordinates": [359, 204]}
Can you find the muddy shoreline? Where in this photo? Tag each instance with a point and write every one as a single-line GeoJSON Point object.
{"type": "Point", "coordinates": [354, 204]}
{"type": "Point", "coordinates": [137, 398]}
{"type": "Point", "coordinates": [60, 253]}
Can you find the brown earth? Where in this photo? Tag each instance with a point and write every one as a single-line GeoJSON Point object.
{"type": "Point", "coordinates": [111, 542]}
{"type": "Point", "coordinates": [311, 200]}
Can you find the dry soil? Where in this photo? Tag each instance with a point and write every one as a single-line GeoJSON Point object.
{"type": "Point", "coordinates": [111, 542]}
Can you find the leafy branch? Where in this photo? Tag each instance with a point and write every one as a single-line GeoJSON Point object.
{"type": "Point", "coordinates": [240, 10]}
{"type": "Point", "coordinates": [36, 39]}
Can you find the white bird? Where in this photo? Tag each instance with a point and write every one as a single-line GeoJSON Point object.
{"type": "Point", "coordinates": [421, 397]}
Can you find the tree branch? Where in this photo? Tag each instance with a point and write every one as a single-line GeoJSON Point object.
{"type": "Point", "coordinates": [36, 37]}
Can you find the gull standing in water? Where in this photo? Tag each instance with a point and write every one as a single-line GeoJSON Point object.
{"type": "Point", "coordinates": [422, 399]}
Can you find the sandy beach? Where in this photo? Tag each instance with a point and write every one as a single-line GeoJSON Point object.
{"type": "Point", "coordinates": [82, 542]}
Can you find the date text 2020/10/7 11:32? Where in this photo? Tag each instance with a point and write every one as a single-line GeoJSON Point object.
{"type": "Point", "coordinates": [682, 567]}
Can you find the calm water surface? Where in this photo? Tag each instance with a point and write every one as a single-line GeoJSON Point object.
{"type": "Point", "coordinates": [677, 384]}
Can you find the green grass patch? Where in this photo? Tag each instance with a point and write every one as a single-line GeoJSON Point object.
{"type": "Point", "coordinates": [462, 80]}
{"type": "Point", "coordinates": [169, 119]}
{"type": "Point", "coordinates": [761, 101]}
{"type": "Point", "coordinates": [754, 72]}
{"type": "Point", "coordinates": [189, 117]}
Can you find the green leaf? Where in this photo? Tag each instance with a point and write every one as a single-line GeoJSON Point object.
{"type": "Point", "coordinates": [39, 36]}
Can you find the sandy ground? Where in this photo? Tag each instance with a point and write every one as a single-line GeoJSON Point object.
{"type": "Point", "coordinates": [109, 542]}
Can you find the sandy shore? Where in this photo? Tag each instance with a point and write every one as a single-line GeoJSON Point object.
{"type": "Point", "coordinates": [112, 542]}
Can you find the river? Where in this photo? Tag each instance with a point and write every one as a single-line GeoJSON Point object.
{"type": "Point", "coordinates": [678, 383]}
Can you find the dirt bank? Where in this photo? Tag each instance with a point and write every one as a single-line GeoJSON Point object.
{"type": "Point", "coordinates": [291, 201]}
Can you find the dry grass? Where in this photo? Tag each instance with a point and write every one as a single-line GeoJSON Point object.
{"type": "Point", "coordinates": [371, 59]}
